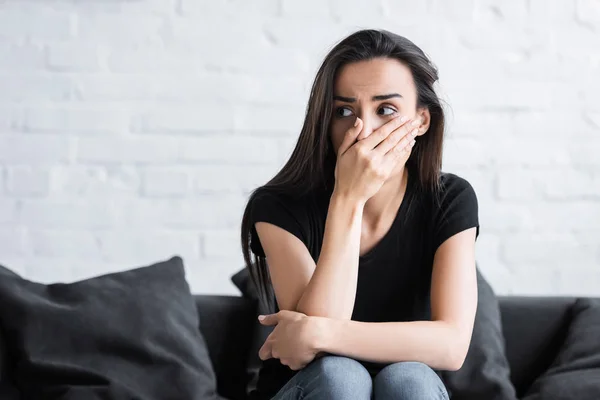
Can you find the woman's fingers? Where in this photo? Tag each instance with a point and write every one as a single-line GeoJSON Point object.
{"type": "Point", "coordinates": [399, 150]}
{"type": "Point", "coordinates": [381, 133]}
{"type": "Point", "coordinates": [401, 136]}
{"type": "Point", "coordinates": [350, 136]}
{"type": "Point", "coordinates": [265, 351]}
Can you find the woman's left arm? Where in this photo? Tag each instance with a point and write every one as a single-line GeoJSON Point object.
{"type": "Point", "coordinates": [441, 343]}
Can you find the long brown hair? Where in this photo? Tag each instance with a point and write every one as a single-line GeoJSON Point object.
{"type": "Point", "coordinates": [311, 165]}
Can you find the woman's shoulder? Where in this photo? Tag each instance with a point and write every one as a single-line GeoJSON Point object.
{"type": "Point", "coordinates": [454, 189]}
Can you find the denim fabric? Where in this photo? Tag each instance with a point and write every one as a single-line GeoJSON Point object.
{"type": "Point", "coordinates": [341, 378]}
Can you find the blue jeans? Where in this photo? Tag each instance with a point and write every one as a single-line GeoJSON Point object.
{"type": "Point", "coordinates": [341, 378]}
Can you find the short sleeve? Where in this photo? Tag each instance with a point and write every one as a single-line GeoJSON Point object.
{"type": "Point", "coordinates": [457, 210]}
{"type": "Point", "coordinates": [278, 210]}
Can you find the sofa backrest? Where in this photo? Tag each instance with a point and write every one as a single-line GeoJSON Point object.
{"type": "Point", "coordinates": [534, 328]}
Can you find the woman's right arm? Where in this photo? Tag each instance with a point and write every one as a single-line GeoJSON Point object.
{"type": "Point", "coordinates": [328, 288]}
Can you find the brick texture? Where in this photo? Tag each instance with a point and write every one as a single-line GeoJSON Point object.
{"type": "Point", "coordinates": [132, 131]}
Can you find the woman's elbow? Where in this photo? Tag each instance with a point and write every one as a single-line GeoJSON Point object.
{"type": "Point", "coordinates": [456, 354]}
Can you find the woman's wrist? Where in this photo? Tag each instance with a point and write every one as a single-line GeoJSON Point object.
{"type": "Point", "coordinates": [325, 331]}
{"type": "Point", "coordinates": [347, 201]}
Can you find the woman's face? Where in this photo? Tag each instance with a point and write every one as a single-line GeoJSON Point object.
{"type": "Point", "coordinates": [374, 91]}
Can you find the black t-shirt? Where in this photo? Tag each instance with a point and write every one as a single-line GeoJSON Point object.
{"type": "Point", "coordinates": [394, 277]}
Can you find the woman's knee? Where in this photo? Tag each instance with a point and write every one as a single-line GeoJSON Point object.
{"type": "Point", "coordinates": [343, 378]}
{"type": "Point", "coordinates": [408, 380]}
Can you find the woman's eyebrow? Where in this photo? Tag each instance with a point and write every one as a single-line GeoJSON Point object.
{"type": "Point", "coordinates": [379, 97]}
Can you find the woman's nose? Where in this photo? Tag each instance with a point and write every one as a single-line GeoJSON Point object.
{"type": "Point", "coordinates": [369, 125]}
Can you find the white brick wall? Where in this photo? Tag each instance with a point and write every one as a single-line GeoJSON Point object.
{"type": "Point", "coordinates": [133, 130]}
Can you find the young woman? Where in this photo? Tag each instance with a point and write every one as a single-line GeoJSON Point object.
{"type": "Point", "coordinates": [364, 251]}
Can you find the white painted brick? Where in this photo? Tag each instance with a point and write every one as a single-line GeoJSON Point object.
{"type": "Point", "coordinates": [154, 58]}
{"type": "Point", "coordinates": [34, 149]}
{"type": "Point", "coordinates": [73, 181]}
{"type": "Point", "coordinates": [120, 28]}
{"type": "Point", "coordinates": [584, 282]}
{"type": "Point", "coordinates": [548, 248]}
{"type": "Point", "coordinates": [511, 95]}
{"type": "Point", "coordinates": [27, 181]}
{"type": "Point", "coordinates": [529, 152]}
{"type": "Point", "coordinates": [499, 217]}
{"type": "Point", "coordinates": [228, 178]}
{"type": "Point", "coordinates": [586, 153]}
{"type": "Point", "coordinates": [557, 184]}
{"type": "Point", "coordinates": [13, 243]}
{"type": "Point", "coordinates": [67, 213]}
{"type": "Point", "coordinates": [208, 9]}
{"type": "Point", "coordinates": [313, 9]}
{"type": "Point", "coordinates": [21, 57]}
{"type": "Point", "coordinates": [113, 150]}
{"type": "Point", "coordinates": [321, 36]}
{"type": "Point", "coordinates": [489, 11]}
{"type": "Point", "coordinates": [488, 245]}
{"type": "Point", "coordinates": [232, 31]}
{"type": "Point", "coordinates": [212, 276]}
{"type": "Point", "coordinates": [99, 119]}
{"type": "Point", "coordinates": [550, 125]}
{"type": "Point", "coordinates": [592, 119]}
{"type": "Point", "coordinates": [115, 88]}
{"type": "Point", "coordinates": [198, 119]}
{"type": "Point", "coordinates": [498, 275]}
{"type": "Point", "coordinates": [399, 9]}
{"type": "Point", "coordinates": [129, 245]}
{"type": "Point", "coordinates": [60, 243]}
{"type": "Point", "coordinates": [264, 120]}
{"type": "Point", "coordinates": [590, 96]}
{"type": "Point", "coordinates": [229, 149]}
{"type": "Point", "coordinates": [588, 11]}
{"type": "Point", "coordinates": [222, 244]}
{"type": "Point", "coordinates": [474, 124]}
{"type": "Point", "coordinates": [576, 215]}
{"type": "Point", "coordinates": [465, 153]}
{"type": "Point", "coordinates": [22, 21]}
{"type": "Point", "coordinates": [166, 182]}
{"type": "Point", "coordinates": [534, 280]}
{"type": "Point", "coordinates": [545, 13]}
{"type": "Point", "coordinates": [209, 211]}
{"type": "Point", "coordinates": [356, 11]}
{"type": "Point", "coordinates": [9, 211]}
{"type": "Point", "coordinates": [143, 126]}
{"type": "Point", "coordinates": [76, 56]}
{"type": "Point", "coordinates": [266, 61]}
{"type": "Point", "coordinates": [459, 12]}
{"type": "Point", "coordinates": [20, 87]}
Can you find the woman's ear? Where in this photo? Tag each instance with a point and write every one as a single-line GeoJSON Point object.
{"type": "Point", "coordinates": [425, 116]}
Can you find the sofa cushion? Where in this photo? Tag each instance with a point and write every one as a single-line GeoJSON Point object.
{"type": "Point", "coordinates": [131, 334]}
{"type": "Point", "coordinates": [485, 373]}
{"type": "Point", "coordinates": [534, 329]}
{"type": "Point", "coordinates": [575, 373]}
{"type": "Point", "coordinates": [227, 325]}
{"type": "Point", "coordinates": [7, 389]}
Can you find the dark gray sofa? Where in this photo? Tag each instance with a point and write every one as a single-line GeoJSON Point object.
{"type": "Point", "coordinates": [534, 329]}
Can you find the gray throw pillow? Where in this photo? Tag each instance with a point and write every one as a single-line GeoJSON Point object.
{"type": "Point", "coordinates": [485, 373]}
{"type": "Point", "coordinates": [575, 373]}
{"type": "Point", "coordinates": [126, 335]}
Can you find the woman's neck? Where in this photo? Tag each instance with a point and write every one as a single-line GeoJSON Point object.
{"type": "Point", "coordinates": [386, 202]}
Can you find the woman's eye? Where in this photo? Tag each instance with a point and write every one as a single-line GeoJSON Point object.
{"type": "Point", "coordinates": [386, 111]}
{"type": "Point", "coordinates": [343, 112]}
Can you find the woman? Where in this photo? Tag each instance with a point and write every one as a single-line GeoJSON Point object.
{"type": "Point", "coordinates": [363, 245]}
